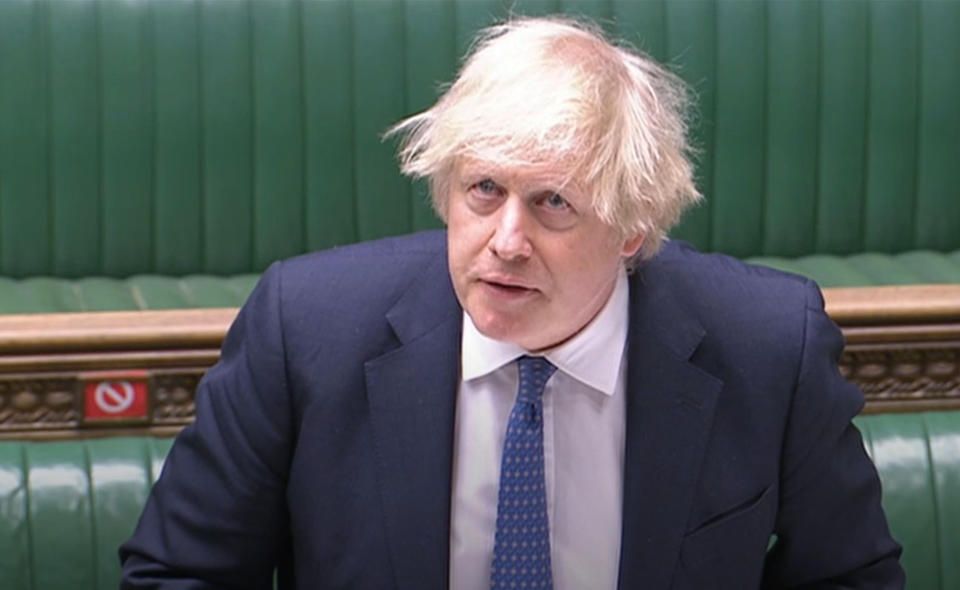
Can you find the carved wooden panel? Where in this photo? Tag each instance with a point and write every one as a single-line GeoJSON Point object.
{"type": "Point", "coordinates": [908, 378]}
{"type": "Point", "coordinates": [38, 402]}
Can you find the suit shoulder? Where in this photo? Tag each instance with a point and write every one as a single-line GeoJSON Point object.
{"type": "Point", "coordinates": [761, 308]}
{"type": "Point", "coordinates": [679, 254]}
{"type": "Point", "coordinates": [716, 276]}
{"type": "Point", "coordinates": [360, 279]}
{"type": "Point", "coordinates": [408, 249]}
{"type": "Point", "coordinates": [375, 269]}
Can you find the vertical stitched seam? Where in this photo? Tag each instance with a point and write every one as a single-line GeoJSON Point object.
{"type": "Point", "coordinates": [101, 205]}
{"type": "Point", "coordinates": [75, 287]}
{"type": "Point", "coordinates": [151, 460]}
{"type": "Point", "coordinates": [201, 141]}
{"type": "Point", "coordinates": [91, 496]}
{"type": "Point", "coordinates": [917, 114]}
{"type": "Point", "coordinates": [136, 294]}
{"type": "Point", "coordinates": [44, 25]}
{"type": "Point", "coordinates": [150, 56]}
{"type": "Point", "coordinates": [711, 209]}
{"type": "Point", "coordinates": [931, 476]}
{"type": "Point", "coordinates": [31, 558]}
{"type": "Point", "coordinates": [304, 129]}
{"type": "Point", "coordinates": [405, 53]}
{"type": "Point", "coordinates": [865, 175]}
{"type": "Point", "coordinates": [354, 200]}
{"type": "Point", "coordinates": [818, 106]}
{"type": "Point", "coordinates": [187, 293]}
{"type": "Point", "coordinates": [765, 131]}
{"type": "Point", "coordinates": [664, 40]}
{"type": "Point", "coordinates": [252, 160]}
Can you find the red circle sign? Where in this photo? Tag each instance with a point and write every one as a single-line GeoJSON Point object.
{"type": "Point", "coordinates": [114, 397]}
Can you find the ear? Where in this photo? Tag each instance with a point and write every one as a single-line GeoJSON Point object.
{"type": "Point", "coordinates": [631, 245]}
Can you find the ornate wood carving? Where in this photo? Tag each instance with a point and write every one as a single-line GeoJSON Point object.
{"type": "Point", "coordinates": [903, 350]}
{"type": "Point", "coordinates": [38, 402]}
{"type": "Point", "coordinates": [905, 379]}
{"type": "Point", "coordinates": [173, 397]}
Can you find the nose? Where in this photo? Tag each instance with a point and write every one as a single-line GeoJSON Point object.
{"type": "Point", "coordinates": [510, 240]}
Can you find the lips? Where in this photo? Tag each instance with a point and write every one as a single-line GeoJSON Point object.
{"type": "Point", "coordinates": [507, 281]}
{"type": "Point", "coordinates": [506, 288]}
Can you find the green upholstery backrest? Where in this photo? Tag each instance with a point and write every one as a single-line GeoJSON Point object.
{"type": "Point", "coordinates": [918, 457]}
{"type": "Point", "coordinates": [214, 136]}
{"type": "Point", "coordinates": [66, 506]}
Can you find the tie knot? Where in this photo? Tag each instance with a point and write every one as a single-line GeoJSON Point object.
{"type": "Point", "coordinates": [534, 373]}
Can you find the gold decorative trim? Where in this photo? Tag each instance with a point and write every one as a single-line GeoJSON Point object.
{"type": "Point", "coordinates": [903, 350]}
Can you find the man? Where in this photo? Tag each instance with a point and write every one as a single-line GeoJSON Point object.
{"type": "Point", "coordinates": [503, 405]}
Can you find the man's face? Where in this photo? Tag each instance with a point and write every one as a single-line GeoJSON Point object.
{"type": "Point", "coordinates": [531, 262]}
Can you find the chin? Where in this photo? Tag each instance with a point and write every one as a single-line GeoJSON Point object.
{"type": "Point", "coordinates": [504, 329]}
{"type": "Point", "coordinates": [516, 335]}
{"type": "Point", "coordinates": [496, 329]}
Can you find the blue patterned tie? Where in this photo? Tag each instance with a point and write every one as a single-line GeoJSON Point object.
{"type": "Point", "coordinates": [521, 549]}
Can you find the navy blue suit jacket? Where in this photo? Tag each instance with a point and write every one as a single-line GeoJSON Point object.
{"type": "Point", "coordinates": [323, 438]}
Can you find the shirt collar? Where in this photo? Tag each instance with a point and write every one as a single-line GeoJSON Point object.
{"type": "Point", "coordinates": [592, 357]}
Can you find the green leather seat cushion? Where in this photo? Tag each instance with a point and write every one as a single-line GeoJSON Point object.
{"type": "Point", "coordinates": [141, 292]}
{"type": "Point", "coordinates": [871, 269]}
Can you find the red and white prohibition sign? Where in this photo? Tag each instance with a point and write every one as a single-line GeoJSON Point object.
{"type": "Point", "coordinates": [115, 396]}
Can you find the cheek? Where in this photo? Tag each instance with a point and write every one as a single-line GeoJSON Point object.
{"type": "Point", "coordinates": [586, 273]}
{"type": "Point", "coordinates": [461, 245]}
{"type": "Point", "coordinates": [466, 232]}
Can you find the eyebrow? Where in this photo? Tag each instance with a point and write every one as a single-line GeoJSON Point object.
{"type": "Point", "coordinates": [540, 181]}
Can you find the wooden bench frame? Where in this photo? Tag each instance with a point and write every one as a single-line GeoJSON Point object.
{"type": "Point", "coordinates": [903, 349]}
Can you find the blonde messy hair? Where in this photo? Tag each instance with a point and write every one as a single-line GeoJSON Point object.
{"type": "Point", "coordinates": [536, 91]}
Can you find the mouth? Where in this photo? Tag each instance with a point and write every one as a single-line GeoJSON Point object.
{"type": "Point", "coordinates": [507, 288]}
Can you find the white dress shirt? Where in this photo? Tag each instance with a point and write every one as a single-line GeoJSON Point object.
{"type": "Point", "coordinates": [584, 420]}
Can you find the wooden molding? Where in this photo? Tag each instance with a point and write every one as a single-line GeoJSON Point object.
{"type": "Point", "coordinates": [903, 350]}
{"type": "Point", "coordinates": [895, 305]}
{"type": "Point", "coordinates": [902, 344]}
{"type": "Point", "coordinates": [114, 330]}
{"type": "Point", "coordinates": [51, 366]}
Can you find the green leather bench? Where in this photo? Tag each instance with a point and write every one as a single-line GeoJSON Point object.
{"type": "Point", "coordinates": [152, 150]}
{"type": "Point", "coordinates": [66, 506]}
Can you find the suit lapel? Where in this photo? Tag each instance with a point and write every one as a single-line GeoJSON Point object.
{"type": "Point", "coordinates": [670, 405]}
{"type": "Point", "coordinates": [411, 392]}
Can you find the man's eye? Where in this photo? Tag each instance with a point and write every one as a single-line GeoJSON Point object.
{"type": "Point", "coordinates": [487, 187]}
{"type": "Point", "coordinates": [556, 202]}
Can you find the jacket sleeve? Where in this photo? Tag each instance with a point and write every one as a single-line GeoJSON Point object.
{"type": "Point", "coordinates": [216, 517]}
{"type": "Point", "coordinates": [831, 530]}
